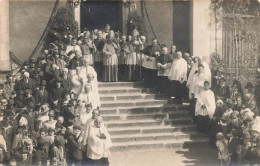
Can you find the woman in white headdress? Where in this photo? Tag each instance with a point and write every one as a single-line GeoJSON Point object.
{"type": "Point", "coordinates": [194, 71]}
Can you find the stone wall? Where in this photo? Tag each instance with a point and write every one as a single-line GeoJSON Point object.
{"type": "Point", "coordinates": [27, 21]}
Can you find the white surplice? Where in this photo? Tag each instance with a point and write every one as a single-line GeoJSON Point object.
{"type": "Point", "coordinates": [98, 148]}
{"type": "Point", "coordinates": [206, 98]}
{"type": "Point", "coordinates": [73, 48]}
{"type": "Point", "coordinates": [178, 70]}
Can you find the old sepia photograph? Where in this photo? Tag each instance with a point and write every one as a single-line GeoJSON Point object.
{"type": "Point", "coordinates": [129, 82]}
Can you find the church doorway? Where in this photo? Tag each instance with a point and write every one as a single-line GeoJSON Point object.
{"type": "Point", "coordinates": [96, 14]}
{"type": "Point", "coordinates": [181, 25]}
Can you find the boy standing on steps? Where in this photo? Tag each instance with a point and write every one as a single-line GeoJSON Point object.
{"type": "Point", "coordinates": [205, 107]}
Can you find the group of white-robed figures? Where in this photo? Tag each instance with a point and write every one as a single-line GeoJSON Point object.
{"type": "Point", "coordinates": [85, 87]}
{"type": "Point", "coordinates": [198, 81]}
{"type": "Point", "coordinates": [94, 133]}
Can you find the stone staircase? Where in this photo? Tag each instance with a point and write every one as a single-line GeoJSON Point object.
{"type": "Point", "coordinates": [137, 118]}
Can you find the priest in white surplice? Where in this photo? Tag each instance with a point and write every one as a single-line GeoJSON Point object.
{"type": "Point", "coordinates": [72, 48]}
{"type": "Point", "coordinates": [88, 96]}
{"type": "Point", "coordinates": [178, 76]}
{"type": "Point", "coordinates": [205, 108]}
{"type": "Point", "coordinates": [99, 143]}
{"type": "Point", "coordinates": [87, 69]}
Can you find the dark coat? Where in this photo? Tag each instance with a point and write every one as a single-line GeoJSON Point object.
{"type": "Point", "coordinates": [222, 92]}
{"type": "Point", "coordinates": [41, 97]}
{"type": "Point", "coordinates": [150, 50]}
{"type": "Point", "coordinates": [22, 85]}
{"type": "Point", "coordinates": [57, 94]}
{"type": "Point", "coordinates": [75, 62]}
{"type": "Point", "coordinates": [74, 148]}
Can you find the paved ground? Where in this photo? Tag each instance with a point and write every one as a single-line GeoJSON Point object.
{"type": "Point", "coordinates": [199, 156]}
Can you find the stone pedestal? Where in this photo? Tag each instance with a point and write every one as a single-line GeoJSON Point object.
{"type": "Point", "coordinates": [4, 36]}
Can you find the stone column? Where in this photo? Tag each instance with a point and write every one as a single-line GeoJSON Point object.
{"type": "Point", "coordinates": [202, 45]}
{"type": "Point", "coordinates": [4, 35]}
{"type": "Point", "coordinates": [77, 15]}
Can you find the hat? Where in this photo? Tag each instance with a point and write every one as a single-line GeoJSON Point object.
{"type": "Point", "coordinates": [26, 62]}
{"type": "Point", "coordinates": [249, 84]}
{"type": "Point", "coordinates": [32, 60]}
{"type": "Point", "coordinates": [42, 143]}
{"type": "Point", "coordinates": [27, 142]}
{"type": "Point", "coordinates": [40, 58]}
{"type": "Point", "coordinates": [76, 126]}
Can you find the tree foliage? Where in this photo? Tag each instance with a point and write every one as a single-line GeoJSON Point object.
{"type": "Point", "coordinates": [135, 21]}
{"type": "Point", "coordinates": [63, 23]}
{"type": "Point", "coordinates": [243, 18]}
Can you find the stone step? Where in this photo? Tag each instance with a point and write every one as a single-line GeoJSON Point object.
{"type": "Point", "coordinates": [151, 129]}
{"type": "Point", "coordinates": [140, 123]}
{"type": "Point", "coordinates": [158, 144]}
{"type": "Point", "coordinates": [183, 121]}
{"type": "Point", "coordinates": [144, 110]}
{"type": "Point", "coordinates": [134, 96]}
{"type": "Point", "coordinates": [120, 84]}
{"type": "Point", "coordinates": [124, 117]}
{"type": "Point", "coordinates": [133, 103]}
{"type": "Point", "coordinates": [124, 90]}
{"type": "Point", "coordinates": [156, 137]}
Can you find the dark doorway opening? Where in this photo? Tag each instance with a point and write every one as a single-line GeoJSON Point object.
{"type": "Point", "coordinates": [181, 25]}
{"type": "Point", "coordinates": [96, 14]}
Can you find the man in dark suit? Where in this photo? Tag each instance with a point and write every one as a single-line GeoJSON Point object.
{"type": "Point", "coordinates": [98, 56]}
{"type": "Point", "coordinates": [222, 90]}
{"type": "Point", "coordinates": [152, 51]}
{"type": "Point", "coordinates": [26, 82]}
{"type": "Point", "coordinates": [41, 95]}
{"type": "Point", "coordinates": [66, 83]}
{"type": "Point", "coordinates": [57, 93]}
{"type": "Point", "coordinates": [75, 146]}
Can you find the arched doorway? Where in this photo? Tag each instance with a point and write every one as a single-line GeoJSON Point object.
{"type": "Point", "coordinates": [96, 14]}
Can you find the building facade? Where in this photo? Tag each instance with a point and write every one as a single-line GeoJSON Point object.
{"type": "Point", "coordinates": [187, 24]}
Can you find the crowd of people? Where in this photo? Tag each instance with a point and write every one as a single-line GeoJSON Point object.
{"type": "Point", "coordinates": [50, 109]}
